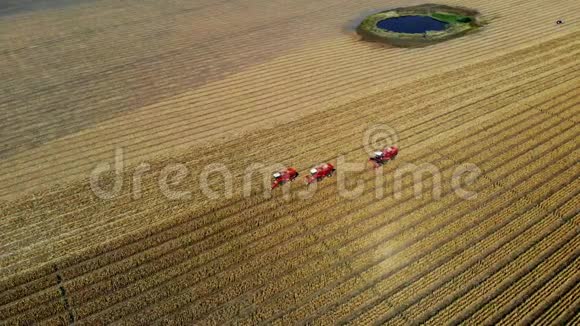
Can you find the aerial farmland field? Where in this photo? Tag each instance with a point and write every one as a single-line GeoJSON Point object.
{"type": "Point", "coordinates": [139, 141]}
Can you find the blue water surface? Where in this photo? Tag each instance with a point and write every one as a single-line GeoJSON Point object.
{"type": "Point", "coordinates": [412, 24]}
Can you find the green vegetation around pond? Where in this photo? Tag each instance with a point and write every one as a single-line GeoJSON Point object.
{"type": "Point", "coordinates": [450, 18]}
{"type": "Point", "coordinates": [419, 26]}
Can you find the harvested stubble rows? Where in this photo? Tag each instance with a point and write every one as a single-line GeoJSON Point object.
{"type": "Point", "coordinates": [281, 88]}
{"type": "Point", "coordinates": [511, 254]}
{"type": "Point", "coordinates": [329, 260]}
{"type": "Point", "coordinates": [102, 212]}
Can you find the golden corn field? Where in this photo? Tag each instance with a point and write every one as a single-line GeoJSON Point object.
{"type": "Point", "coordinates": [236, 84]}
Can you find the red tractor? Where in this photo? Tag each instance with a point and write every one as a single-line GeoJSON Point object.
{"type": "Point", "coordinates": [281, 177]}
{"type": "Point", "coordinates": [383, 156]}
{"type": "Point", "coordinates": [320, 172]}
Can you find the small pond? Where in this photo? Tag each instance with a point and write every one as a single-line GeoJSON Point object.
{"type": "Point", "coordinates": [412, 24]}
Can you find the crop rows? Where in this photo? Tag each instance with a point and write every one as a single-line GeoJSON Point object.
{"type": "Point", "coordinates": [237, 108]}
{"type": "Point", "coordinates": [455, 291]}
{"type": "Point", "coordinates": [562, 310]}
{"type": "Point", "coordinates": [398, 90]}
{"type": "Point", "coordinates": [403, 291]}
{"type": "Point", "coordinates": [40, 209]}
{"type": "Point", "coordinates": [559, 280]}
{"type": "Point", "coordinates": [524, 262]}
{"type": "Point", "coordinates": [390, 94]}
{"type": "Point", "coordinates": [368, 274]}
{"type": "Point", "coordinates": [507, 256]}
{"type": "Point", "coordinates": [62, 165]}
{"type": "Point", "coordinates": [204, 51]}
{"type": "Point", "coordinates": [465, 304]}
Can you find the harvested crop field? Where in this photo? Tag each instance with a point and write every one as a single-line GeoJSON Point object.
{"type": "Point", "coordinates": [241, 83]}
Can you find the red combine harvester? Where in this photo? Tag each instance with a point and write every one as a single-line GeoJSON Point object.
{"type": "Point", "coordinates": [281, 177]}
{"type": "Point", "coordinates": [382, 157]}
{"type": "Point", "coordinates": [320, 172]}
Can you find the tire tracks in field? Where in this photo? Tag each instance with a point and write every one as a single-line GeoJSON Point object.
{"type": "Point", "coordinates": [63, 295]}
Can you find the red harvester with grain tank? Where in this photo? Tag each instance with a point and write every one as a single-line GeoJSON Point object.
{"type": "Point", "coordinates": [318, 173]}
{"type": "Point", "coordinates": [383, 156]}
{"type": "Point", "coordinates": [281, 177]}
